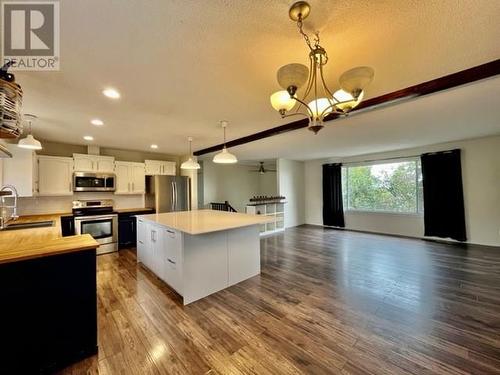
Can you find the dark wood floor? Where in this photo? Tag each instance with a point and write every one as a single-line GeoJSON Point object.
{"type": "Point", "coordinates": [326, 302]}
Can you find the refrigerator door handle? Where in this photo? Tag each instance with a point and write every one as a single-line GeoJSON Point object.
{"type": "Point", "coordinates": [173, 196]}
{"type": "Point", "coordinates": [176, 196]}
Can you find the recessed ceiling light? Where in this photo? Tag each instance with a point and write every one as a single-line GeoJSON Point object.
{"type": "Point", "coordinates": [97, 122]}
{"type": "Point", "coordinates": [111, 93]}
{"type": "Point", "coordinates": [154, 146]}
{"type": "Point", "coordinates": [88, 138]}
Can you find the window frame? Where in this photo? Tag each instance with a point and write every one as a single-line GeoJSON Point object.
{"type": "Point", "coordinates": [419, 209]}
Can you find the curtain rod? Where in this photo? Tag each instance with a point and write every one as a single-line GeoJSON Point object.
{"type": "Point", "coordinates": [395, 157]}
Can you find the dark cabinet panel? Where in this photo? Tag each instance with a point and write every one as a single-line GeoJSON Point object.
{"type": "Point", "coordinates": [127, 228]}
{"type": "Point", "coordinates": [48, 316]}
{"type": "Point", "coordinates": [127, 231]}
{"type": "Point", "coordinates": [67, 226]}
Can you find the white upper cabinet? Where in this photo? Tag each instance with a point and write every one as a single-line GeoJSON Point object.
{"type": "Point", "coordinates": [122, 178]}
{"type": "Point", "coordinates": [138, 178]}
{"type": "Point", "coordinates": [130, 178]}
{"type": "Point", "coordinates": [94, 163]}
{"type": "Point", "coordinates": [54, 176]}
{"type": "Point", "coordinates": [160, 167]}
{"type": "Point", "coordinates": [20, 171]}
{"type": "Point", "coordinates": [105, 164]}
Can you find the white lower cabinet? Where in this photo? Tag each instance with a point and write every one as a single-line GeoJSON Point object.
{"type": "Point", "coordinates": [197, 265]}
{"type": "Point", "coordinates": [160, 250]}
{"type": "Point", "coordinates": [156, 249]}
{"type": "Point", "coordinates": [172, 258]}
{"type": "Point", "coordinates": [142, 229]}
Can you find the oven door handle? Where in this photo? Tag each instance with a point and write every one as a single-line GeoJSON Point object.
{"type": "Point", "coordinates": [90, 218]}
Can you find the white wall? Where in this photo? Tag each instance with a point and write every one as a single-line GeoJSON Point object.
{"type": "Point", "coordinates": [291, 186]}
{"type": "Point", "coordinates": [235, 183]}
{"type": "Point", "coordinates": [481, 181]}
{"type": "Point", "coordinates": [48, 205]}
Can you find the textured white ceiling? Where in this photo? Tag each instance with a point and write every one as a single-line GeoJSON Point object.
{"type": "Point", "coordinates": [182, 65]}
{"type": "Point", "coordinates": [466, 112]}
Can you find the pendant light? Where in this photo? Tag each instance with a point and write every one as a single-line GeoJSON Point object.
{"type": "Point", "coordinates": [30, 142]}
{"type": "Point", "coordinates": [224, 157]}
{"type": "Point", "coordinates": [190, 163]}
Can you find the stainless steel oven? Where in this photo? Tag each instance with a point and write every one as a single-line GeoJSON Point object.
{"type": "Point", "coordinates": [97, 218]}
{"type": "Point", "coordinates": [89, 181]}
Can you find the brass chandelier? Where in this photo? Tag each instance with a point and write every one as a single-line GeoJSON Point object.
{"type": "Point", "coordinates": [318, 101]}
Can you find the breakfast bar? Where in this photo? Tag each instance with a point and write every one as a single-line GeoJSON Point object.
{"type": "Point", "coordinates": [198, 253]}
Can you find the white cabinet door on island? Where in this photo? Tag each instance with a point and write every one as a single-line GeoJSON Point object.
{"type": "Point", "coordinates": [198, 253]}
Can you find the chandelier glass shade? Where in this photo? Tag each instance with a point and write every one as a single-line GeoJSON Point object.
{"type": "Point", "coordinates": [282, 102]}
{"type": "Point", "coordinates": [316, 100]}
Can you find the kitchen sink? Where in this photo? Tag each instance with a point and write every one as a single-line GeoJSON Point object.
{"type": "Point", "coordinates": [38, 224]}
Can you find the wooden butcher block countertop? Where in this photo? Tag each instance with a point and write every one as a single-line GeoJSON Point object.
{"type": "Point", "coordinates": [22, 244]}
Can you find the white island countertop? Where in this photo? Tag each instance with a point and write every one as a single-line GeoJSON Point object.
{"type": "Point", "coordinates": [205, 221]}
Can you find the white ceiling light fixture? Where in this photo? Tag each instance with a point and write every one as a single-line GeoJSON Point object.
{"type": "Point", "coordinates": [154, 147]}
{"type": "Point", "coordinates": [30, 142]}
{"type": "Point", "coordinates": [97, 122]}
{"type": "Point", "coordinates": [111, 93]}
{"type": "Point", "coordinates": [322, 101]}
{"type": "Point", "coordinates": [190, 163]}
{"type": "Point", "coordinates": [224, 157]}
{"type": "Point", "coordinates": [88, 137]}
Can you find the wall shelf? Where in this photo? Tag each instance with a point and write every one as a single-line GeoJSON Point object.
{"type": "Point", "coordinates": [275, 210]}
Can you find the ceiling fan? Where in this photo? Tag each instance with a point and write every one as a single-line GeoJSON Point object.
{"type": "Point", "coordinates": [262, 169]}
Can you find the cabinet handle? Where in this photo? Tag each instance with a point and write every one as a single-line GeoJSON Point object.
{"type": "Point", "coordinates": [70, 187]}
{"type": "Point", "coordinates": [171, 261]}
{"type": "Point", "coordinates": [170, 231]}
{"type": "Point", "coordinates": [133, 187]}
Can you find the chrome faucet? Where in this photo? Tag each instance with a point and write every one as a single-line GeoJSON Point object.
{"type": "Point", "coordinates": [3, 219]}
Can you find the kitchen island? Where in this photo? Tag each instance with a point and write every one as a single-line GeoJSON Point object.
{"type": "Point", "coordinates": [198, 253]}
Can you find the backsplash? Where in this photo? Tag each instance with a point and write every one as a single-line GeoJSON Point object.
{"type": "Point", "coordinates": [47, 205]}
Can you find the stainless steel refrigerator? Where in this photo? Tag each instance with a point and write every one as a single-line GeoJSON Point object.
{"type": "Point", "coordinates": [168, 193]}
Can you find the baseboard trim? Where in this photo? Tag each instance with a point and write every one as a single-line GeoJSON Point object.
{"type": "Point", "coordinates": [437, 240]}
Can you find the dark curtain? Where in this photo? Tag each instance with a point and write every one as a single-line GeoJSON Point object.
{"type": "Point", "coordinates": [333, 208]}
{"type": "Point", "coordinates": [444, 214]}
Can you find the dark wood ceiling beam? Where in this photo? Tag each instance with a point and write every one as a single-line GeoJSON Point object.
{"type": "Point", "coordinates": [463, 77]}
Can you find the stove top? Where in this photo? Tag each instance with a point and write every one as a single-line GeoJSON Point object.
{"type": "Point", "coordinates": [90, 207]}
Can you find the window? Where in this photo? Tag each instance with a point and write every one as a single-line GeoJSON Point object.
{"type": "Point", "coordinates": [384, 186]}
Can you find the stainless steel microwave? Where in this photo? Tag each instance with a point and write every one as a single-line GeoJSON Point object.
{"type": "Point", "coordinates": [90, 181]}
